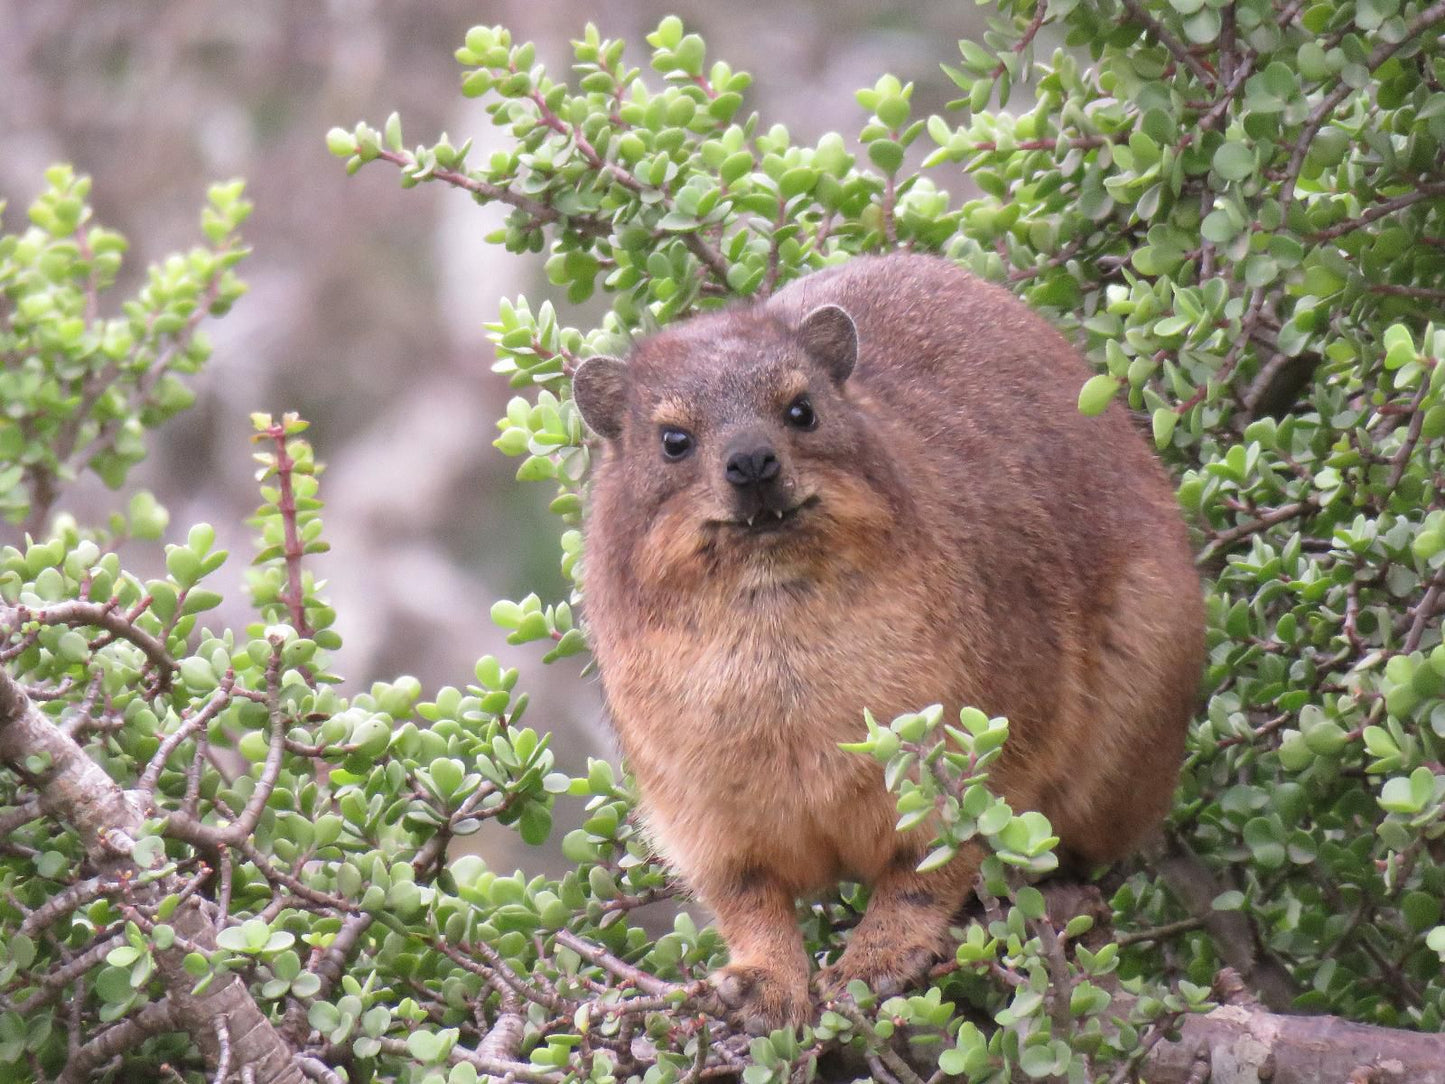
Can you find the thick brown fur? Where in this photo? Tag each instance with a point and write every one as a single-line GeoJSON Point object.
{"type": "Point", "coordinates": [963, 536]}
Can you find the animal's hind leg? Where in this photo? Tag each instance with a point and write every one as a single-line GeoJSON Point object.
{"type": "Point", "coordinates": [1139, 680]}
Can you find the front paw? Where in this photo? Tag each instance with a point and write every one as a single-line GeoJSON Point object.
{"type": "Point", "coordinates": [885, 969]}
{"type": "Point", "coordinates": [762, 999]}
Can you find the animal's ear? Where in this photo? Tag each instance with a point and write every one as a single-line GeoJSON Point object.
{"type": "Point", "coordinates": [829, 337]}
{"type": "Point", "coordinates": [599, 387]}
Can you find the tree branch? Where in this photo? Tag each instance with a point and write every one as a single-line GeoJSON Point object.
{"type": "Point", "coordinates": [1380, 210]}
{"type": "Point", "coordinates": [102, 615]}
{"type": "Point", "coordinates": [152, 1019]}
{"type": "Point", "coordinates": [70, 786]}
{"type": "Point", "coordinates": [1243, 1043]}
{"type": "Point", "coordinates": [1195, 887]}
{"type": "Point", "coordinates": [75, 789]}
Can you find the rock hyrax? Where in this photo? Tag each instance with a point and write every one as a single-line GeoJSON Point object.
{"type": "Point", "coordinates": [874, 490]}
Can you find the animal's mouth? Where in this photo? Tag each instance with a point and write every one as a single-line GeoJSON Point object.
{"type": "Point", "coordinates": [772, 520]}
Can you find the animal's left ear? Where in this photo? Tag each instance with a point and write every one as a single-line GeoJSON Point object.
{"type": "Point", "coordinates": [831, 339]}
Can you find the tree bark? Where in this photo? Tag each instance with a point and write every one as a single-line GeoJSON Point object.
{"type": "Point", "coordinates": [1195, 887]}
{"type": "Point", "coordinates": [1244, 1045]}
{"type": "Point", "coordinates": [73, 788]}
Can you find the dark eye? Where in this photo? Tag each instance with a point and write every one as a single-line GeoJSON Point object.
{"type": "Point", "coordinates": [676, 443]}
{"type": "Point", "coordinates": [800, 414]}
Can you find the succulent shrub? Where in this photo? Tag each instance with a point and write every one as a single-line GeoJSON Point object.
{"type": "Point", "coordinates": [1233, 208]}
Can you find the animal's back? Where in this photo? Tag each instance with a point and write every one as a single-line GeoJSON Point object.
{"type": "Point", "coordinates": [991, 387]}
{"type": "Point", "coordinates": [990, 390]}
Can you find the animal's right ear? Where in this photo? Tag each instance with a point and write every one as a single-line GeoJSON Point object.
{"type": "Point", "coordinates": [599, 387]}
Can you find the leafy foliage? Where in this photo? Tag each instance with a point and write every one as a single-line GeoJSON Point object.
{"type": "Point", "coordinates": [1237, 214]}
{"type": "Point", "coordinates": [80, 388]}
{"type": "Point", "coordinates": [1239, 218]}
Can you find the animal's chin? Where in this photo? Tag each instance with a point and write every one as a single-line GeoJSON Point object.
{"type": "Point", "coordinates": [769, 521]}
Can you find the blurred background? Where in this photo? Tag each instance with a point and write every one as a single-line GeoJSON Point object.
{"type": "Point", "coordinates": [367, 302]}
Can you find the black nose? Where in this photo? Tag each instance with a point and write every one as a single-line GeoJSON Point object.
{"type": "Point", "coordinates": [752, 467]}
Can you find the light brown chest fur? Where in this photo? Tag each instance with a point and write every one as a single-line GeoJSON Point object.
{"type": "Point", "coordinates": [732, 724]}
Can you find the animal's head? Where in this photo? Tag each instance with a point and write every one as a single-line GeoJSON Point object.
{"type": "Point", "coordinates": [734, 439]}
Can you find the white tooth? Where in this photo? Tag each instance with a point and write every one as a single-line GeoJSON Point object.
{"type": "Point", "coordinates": [778, 513]}
{"type": "Point", "coordinates": [750, 521]}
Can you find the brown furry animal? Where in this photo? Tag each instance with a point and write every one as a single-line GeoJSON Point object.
{"type": "Point", "coordinates": [875, 489]}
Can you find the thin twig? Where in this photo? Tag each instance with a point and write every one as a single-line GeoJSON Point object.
{"type": "Point", "coordinates": [223, 1055]}
{"type": "Point", "coordinates": [185, 826]}
{"type": "Point", "coordinates": [515, 1070]}
{"type": "Point", "coordinates": [64, 902]}
{"type": "Point", "coordinates": [1169, 41]}
{"type": "Point", "coordinates": [317, 1069]}
{"type": "Point", "coordinates": [623, 970]}
{"type": "Point", "coordinates": [1401, 459]}
{"type": "Point", "coordinates": [897, 1066]}
{"type": "Point", "coordinates": [1224, 539]}
{"type": "Point", "coordinates": [1026, 38]}
{"type": "Point", "coordinates": [1061, 985]}
{"type": "Point", "coordinates": [55, 981]}
{"type": "Point", "coordinates": [504, 975]}
{"type": "Point", "coordinates": [189, 725]}
{"type": "Point", "coordinates": [1160, 933]}
{"type": "Point", "coordinates": [11, 820]}
{"type": "Point", "coordinates": [1424, 610]}
{"type": "Point", "coordinates": [1153, 1036]}
{"type": "Point", "coordinates": [1236, 352]}
{"type": "Point", "coordinates": [294, 596]}
{"type": "Point", "coordinates": [539, 212]}
{"type": "Point", "coordinates": [1419, 293]}
{"type": "Point", "coordinates": [1087, 142]}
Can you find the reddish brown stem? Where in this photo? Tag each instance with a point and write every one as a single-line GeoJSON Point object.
{"type": "Point", "coordinates": [1081, 142]}
{"type": "Point", "coordinates": [1026, 39]}
{"type": "Point", "coordinates": [293, 596]}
